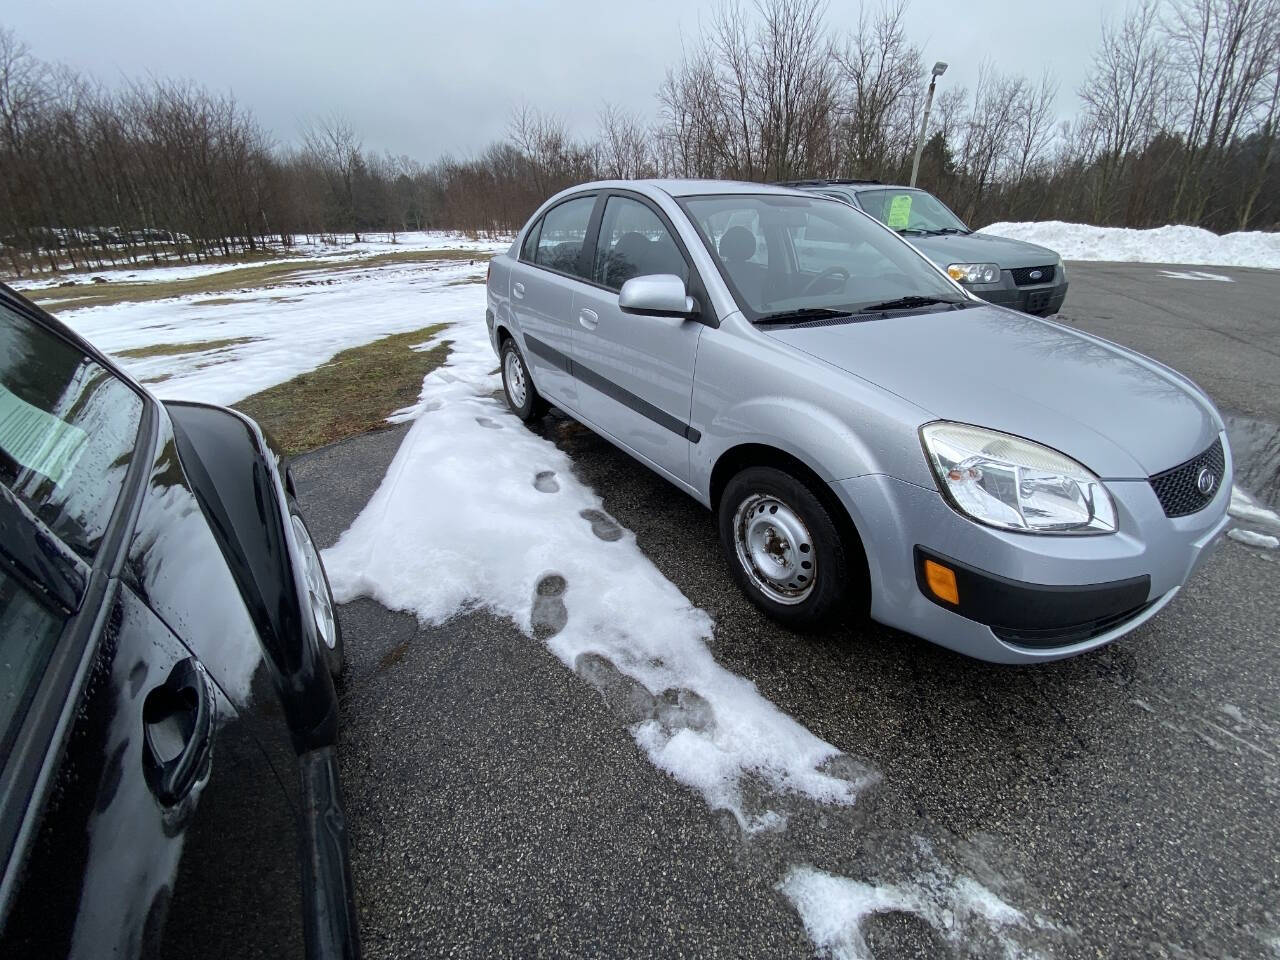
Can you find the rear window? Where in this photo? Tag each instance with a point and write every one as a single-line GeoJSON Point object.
{"type": "Point", "coordinates": [564, 230]}
{"type": "Point", "coordinates": [68, 427]}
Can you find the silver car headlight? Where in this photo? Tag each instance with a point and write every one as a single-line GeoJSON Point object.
{"type": "Point", "coordinates": [974, 272]}
{"type": "Point", "coordinates": [1014, 484]}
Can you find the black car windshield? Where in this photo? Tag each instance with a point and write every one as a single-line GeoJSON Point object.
{"type": "Point", "coordinates": [783, 255]}
{"type": "Point", "coordinates": [910, 211]}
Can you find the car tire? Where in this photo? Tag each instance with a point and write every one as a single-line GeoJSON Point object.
{"type": "Point", "coordinates": [522, 397]}
{"type": "Point", "coordinates": [318, 601]}
{"type": "Point", "coordinates": [784, 548]}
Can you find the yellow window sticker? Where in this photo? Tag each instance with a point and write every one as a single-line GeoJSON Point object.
{"type": "Point", "coordinates": [37, 439]}
{"type": "Point", "coordinates": [899, 211]}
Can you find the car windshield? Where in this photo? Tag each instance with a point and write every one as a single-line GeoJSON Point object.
{"type": "Point", "coordinates": [910, 211]}
{"type": "Point", "coordinates": [785, 255]}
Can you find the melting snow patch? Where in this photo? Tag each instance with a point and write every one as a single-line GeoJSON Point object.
{"type": "Point", "coordinates": [1253, 538]}
{"type": "Point", "coordinates": [457, 525]}
{"type": "Point", "coordinates": [1244, 507]}
{"type": "Point", "coordinates": [962, 911]}
{"type": "Point", "coordinates": [1173, 244]}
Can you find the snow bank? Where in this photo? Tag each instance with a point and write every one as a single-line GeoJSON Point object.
{"type": "Point", "coordinates": [478, 511]}
{"type": "Point", "coordinates": [1173, 244]}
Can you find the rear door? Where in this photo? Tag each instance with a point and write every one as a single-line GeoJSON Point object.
{"type": "Point", "coordinates": [138, 815]}
{"type": "Point", "coordinates": [551, 267]}
{"type": "Point", "coordinates": [635, 373]}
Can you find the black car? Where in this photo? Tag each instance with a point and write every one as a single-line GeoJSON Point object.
{"type": "Point", "coordinates": [168, 654]}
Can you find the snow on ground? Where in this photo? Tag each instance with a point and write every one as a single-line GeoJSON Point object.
{"type": "Point", "coordinates": [289, 328]}
{"type": "Point", "coordinates": [478, 511]}
{"type": "Point", "coordinates": [964, 912]}
{"type": "Point", "coordinates": [344, 247]}
{"type": "Point", "coordinates": [1253, 538]}
{"type": "Point", "coordinates": [1172, 244]}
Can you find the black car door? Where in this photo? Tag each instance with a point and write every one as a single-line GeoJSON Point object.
{"type": "Point", "coordinates": [139, 816]}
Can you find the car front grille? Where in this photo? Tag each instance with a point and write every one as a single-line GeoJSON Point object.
{"type": "Point", "coordinates": [1178, 488]}
{"type": "Point", "coordinates": [1022, 276]}
{"type": "Point", "coordinates": [1065, 636]}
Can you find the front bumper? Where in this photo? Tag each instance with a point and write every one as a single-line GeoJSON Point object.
{"type": "Point", "coordinates": [1041, 299]}
{"type": "Point", "coordinates": [895, 517]}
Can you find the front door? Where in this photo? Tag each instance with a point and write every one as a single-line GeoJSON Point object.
{"type": "Point", "coordinates": [635, 373]}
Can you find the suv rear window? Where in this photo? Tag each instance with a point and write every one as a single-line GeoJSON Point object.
{"type": "Point", "coordinates": [68, 427]}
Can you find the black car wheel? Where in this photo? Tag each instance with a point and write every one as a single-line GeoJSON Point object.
{"type": "Point", "coordinates": [319, 598]}
{"type": "Point", "coordinates": [522, 397]}
{"type": "Point", "coordinates": [783, 547]}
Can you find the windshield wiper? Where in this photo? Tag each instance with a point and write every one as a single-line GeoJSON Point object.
{"type": "Point", "coordinates": [953, 230]}
{"type": "Point", "coordinates": [919, 230]}
{"type": "Point", "coordinates": [907, 303]}
{"type": "Point", "coordinates": [805, 313]}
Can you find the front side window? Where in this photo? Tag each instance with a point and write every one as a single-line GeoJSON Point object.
{"type": "Point", "coordinates": [634, 242]}
{"type": "Point", "coordinates": [910, 211]}
{"type": "Point", "coordinates": [780, 254]}
{"type": "Point", "coordinates": [67, 431]}
{"type": "Point", "coordinates": [564, 230]}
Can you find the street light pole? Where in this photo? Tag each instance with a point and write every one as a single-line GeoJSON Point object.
{"type": "Point", "coordinates": [939, 69]}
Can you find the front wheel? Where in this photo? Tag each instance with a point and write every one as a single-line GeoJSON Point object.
{"type": "Point", "coordinates": [522, 397]}
{"type": "Point", "coordinates": [783, 547]}
{"type": "Point", "coordinates": [319, 598]}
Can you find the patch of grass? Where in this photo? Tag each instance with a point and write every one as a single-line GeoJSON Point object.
{"type": "Point", "coordinates": [259, 276]}
{"type": "Point", "coordinates": [352, 394]}
{"type": "Point", "coordinates": [174, 349]}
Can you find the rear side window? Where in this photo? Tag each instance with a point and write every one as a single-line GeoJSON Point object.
{"type": "Point", "coordinates": [28, 632]}
{"type": "Point", "coordinates": [529, 248]}
{"type": "Point", "coordinates": [67, 431]}
{"type": "Point", "coordinates": [634, 242]}
{"type": "Point", "coordinates": [564, 230]}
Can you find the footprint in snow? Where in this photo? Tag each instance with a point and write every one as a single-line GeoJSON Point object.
{"type": "Point", "coordinates": [602, 525]}
{"type": "Point", "coordinates": [549, 612]}
{"type": "Point", "coordinates": [545, 481]}
{"type": "Point", "coordinates": [675, 708]}
{"type": "Point", "coordinates": [486, 422]}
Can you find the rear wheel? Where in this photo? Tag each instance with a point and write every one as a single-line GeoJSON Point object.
{"type": "Point", "coordinates": [319, 598]}
{"type": "Point", "coordinates": [784, 548]}
{"type": "Point", "coordinates": [522, 397]}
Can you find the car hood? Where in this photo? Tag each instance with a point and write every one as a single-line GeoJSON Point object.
{"type": "Point", "coordinates": [1120, 414]}
{"type": "Point", "coordinates": [951, 248]}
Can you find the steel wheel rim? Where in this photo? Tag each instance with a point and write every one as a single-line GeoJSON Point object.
{"type": "Point", "coordinates": [517, 390]}
{"type": "Point", "coordinates": [317, 589]}
{"type": "Point", "coordinates": [775, 548]}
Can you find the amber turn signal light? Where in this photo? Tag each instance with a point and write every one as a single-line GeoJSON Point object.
{"type": "Point", "coordinates": [942, 581]}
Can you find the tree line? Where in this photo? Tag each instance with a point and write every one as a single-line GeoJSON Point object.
{"type": "Point", "coordinates": [1175, 122]}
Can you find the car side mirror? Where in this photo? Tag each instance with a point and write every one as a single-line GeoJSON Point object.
{"type": "Point", "coordinates": [657, 295]}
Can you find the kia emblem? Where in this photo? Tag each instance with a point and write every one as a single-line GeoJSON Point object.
{"type": "Point", "coordinates": [1034, 274]}
{"type": "Point", "coordinates": [1205, 481]}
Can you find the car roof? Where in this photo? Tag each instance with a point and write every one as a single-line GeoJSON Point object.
{"type": "Point", "coordinates": [685, 188]}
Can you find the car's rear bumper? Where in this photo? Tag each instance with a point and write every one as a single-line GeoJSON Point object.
{"type": "Point", "coordinates": [1025, 597]}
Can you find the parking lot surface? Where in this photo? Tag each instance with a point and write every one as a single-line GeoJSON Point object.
{"type": "Point", "coordinates": [1124, 802]}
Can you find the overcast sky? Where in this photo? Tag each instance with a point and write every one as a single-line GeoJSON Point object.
{"type": "Point", "coordinates": [429, 78]}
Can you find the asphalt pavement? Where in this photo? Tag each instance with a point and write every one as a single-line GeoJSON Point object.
{"type": "Point", "coordinates": [1125, 801]}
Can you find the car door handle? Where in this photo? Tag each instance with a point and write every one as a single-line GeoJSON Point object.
{"type": "Point", "coordinates": [517, 291]}
{"type": "Point", "coordinates": [177, 731]}
{"type": "Point", "coordinates": [588, 318]}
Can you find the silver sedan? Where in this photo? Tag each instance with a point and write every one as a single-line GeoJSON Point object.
{"type": "Point", "coordinates": [870, 435]}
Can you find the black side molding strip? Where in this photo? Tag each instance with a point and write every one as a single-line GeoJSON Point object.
{"type": "Point", "coordinates": [610, 389]}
